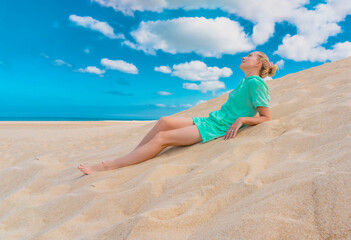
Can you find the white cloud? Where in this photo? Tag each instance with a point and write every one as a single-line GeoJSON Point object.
{"type": "Point", "coordinates": [340, 51]}
{"type": "Point", "coordinates": [280, 64]}
{"type": "Point", "coordinates": [163, 69]}
{"type": "Point", "coordinates": [92, 69]}
{"type": "Point", "coordinates": [163, 93]}
{"type": "Point", "coordinates": [199, 71]}
{"type": "Point", "coordinates": [196, 71]}
{"type": "Point", "coordinates": [206, 37]}
{"type": "Point", "coordinates": [199, 102]}
{"type": "Point", "coordinates": [314, 27]}
{"type": "Point", "coordinates": [60, 62]}
{"type": "Point", "coordinates": [264, 16]}
{"type": "Point", "coordinates": [299, 48]}
{"type": "Point", "coordinates": [119, 65]}
{"type": "Point", "coordinates": [44, 55]}
{"type": "Point", "coordinates": [250, 8]}
{"type": "Point", "coordinates": [87, 50]}
{"type": "Point", "coordinates": [93, 24]}
{"type": "Point", "coordinates": [128, 7]}
{"type": "Point", "coordinates": [205, 86]}
{"type": "Point", "coordinates": [189, 105]}
{"type": "Point", "coordinates": [186, 105]}
{"type": "Point", "coordinates": [267, 78]}
{"type": "Point", "coordinates": [161, 105]}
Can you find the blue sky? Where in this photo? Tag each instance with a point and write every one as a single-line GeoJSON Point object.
{"type": "Point", "coordinates": [113, 59]}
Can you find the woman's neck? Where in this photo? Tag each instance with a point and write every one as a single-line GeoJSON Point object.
{"type": "Point", "coordinates": [251, 73]}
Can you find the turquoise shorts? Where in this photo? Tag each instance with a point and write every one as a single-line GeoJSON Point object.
{"type": "Point", "coordinates": [209, 129]}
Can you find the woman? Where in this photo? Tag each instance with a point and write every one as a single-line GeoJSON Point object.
{"type": "Point", "coordinates": [250, 97]}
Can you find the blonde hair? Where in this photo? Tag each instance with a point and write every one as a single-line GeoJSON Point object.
{"type": "Point", "coordinates": [266, 70]}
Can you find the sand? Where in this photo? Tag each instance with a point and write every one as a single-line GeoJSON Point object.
{"type": "Point", "coordinates": [288, 178]}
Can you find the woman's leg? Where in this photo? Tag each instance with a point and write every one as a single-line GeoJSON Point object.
{"type": "Point", "coordinates": [164, 124]}
{"type": "Point", "coordinates": [177, 137]}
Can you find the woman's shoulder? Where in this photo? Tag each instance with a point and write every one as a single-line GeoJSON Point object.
{"type": "Point", "coordinates": [254, 83]}
{"type": "Point", "coordinates": [256, 80]}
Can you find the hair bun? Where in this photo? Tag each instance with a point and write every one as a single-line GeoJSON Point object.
{"type": "Point", "coordinates": [272, 69]}
{"type": "Point", "coordinates": [267, 68]}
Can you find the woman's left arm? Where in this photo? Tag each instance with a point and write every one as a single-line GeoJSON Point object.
{"type": "Point", "coordinates": [265, 115]}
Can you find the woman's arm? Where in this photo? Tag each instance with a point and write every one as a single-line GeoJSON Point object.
{"type": "Point", "coordinates": [265, 115]}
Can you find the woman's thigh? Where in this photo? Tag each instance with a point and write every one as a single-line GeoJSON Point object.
{"type": "Point", "coordinates": [181, 136]}
{"type": "Point", "coordinates": [172, 122]}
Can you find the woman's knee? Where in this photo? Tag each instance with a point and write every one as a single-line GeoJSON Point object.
{"type": "Point", "coordinates": [163, 120]}
{"type": "Point", "coordinates": [165, 123]}
{"type": "Point", "coordinates": [160, 138]}
{"type": "Point", "coordinates": [161, 124]}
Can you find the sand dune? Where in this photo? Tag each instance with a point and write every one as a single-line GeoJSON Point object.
{"type": "Point", "coordinates": [289, 178]}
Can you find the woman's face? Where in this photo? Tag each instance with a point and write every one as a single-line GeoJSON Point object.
{"type": "Point", "coordinates": [249, 62]}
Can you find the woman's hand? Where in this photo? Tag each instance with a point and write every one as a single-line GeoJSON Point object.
{"type": "Point", "coordinates": [233, 129]}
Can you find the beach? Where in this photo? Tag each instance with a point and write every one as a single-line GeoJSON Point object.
{"type": "Point", "coordinates": [288, 178]}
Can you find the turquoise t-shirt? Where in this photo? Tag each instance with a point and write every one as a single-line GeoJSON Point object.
{"type": "Point", "coordinates": [251, 92]}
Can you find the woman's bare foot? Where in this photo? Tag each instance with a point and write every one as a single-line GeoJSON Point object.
{"type": "Point", "coordinates": [93, 168]}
